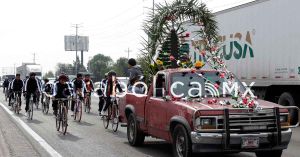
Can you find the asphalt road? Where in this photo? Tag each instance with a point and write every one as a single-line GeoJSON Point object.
{"type": "Point", "coordinates": [89, 138]}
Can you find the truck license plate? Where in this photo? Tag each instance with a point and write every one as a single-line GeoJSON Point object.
{"type": "Point", "coordinates": [250, 142]}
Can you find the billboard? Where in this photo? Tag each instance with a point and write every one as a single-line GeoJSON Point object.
{"type": "Point", "coordinates": [82, 43]}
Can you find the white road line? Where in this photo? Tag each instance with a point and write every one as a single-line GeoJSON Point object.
{"type": "Point", "coordinates": [34, 135]}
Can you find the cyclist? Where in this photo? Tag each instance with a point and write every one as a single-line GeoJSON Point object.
{"type": "Point", "coordinates": [47, 87]}
{"type": "Point", "coordinates": [111, 81]}
{"type": "Point", "coordinates": [89, 85]}
{"type": "Point", "coordinates": [101, 93]}
{"type": "Point", "coordinates": [39, 94]}
{"type": "Point", "coordinates": [78, 87]}
{"type": "Point", "coordinates": [16, 85]}
{"type": "Point", "coordinates": [5, 84]}
{"type": "Point", "coordinates": [61, 90]}
{"type": "Point", "coordinates": [32, 86]}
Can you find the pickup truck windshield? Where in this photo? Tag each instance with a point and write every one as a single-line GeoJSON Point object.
{"type": "Point", "coordinates": [185, 82]}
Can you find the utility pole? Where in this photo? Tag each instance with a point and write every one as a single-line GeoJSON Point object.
{"type": "Point", "coordinates": [128, 51]}
{"type": "Point", "coordinates": [34, 58]}
{"type": "Point", "coordinates": [76, 47]}
{"type": "Point", "coordinates": [153, 3]}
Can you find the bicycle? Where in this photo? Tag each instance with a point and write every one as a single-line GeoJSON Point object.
{"type": "Point", "coordinates": [17, 102]}
{"type": "Point", "coordinates": [45, 103]}
{"type": "Point", "coordinates": [78, 109]}
{"type": "Point", "coordinates": [6, 94]}
{"type": "Point", "coordinates": [112, 115]}
{"type": "Point", "coordinates": [87, 102]}
{"type": "Point", "coordinates": [62, 115]}
{"type": "Point", "coordinates": [37, 100]}
{"type": "Point", "coordinates": [30, 110]}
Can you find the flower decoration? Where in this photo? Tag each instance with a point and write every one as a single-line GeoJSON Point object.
{"type": "Point", "coordinates": [172, 58]}
{"type": "Point", "coordinates": [199, 64]}
{"type": "Point", "coordinates": [187, 34]}
{"type": "Point", "coordinates": [159, 62]}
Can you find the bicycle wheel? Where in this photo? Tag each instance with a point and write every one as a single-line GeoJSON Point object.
{"type": "Point", "coordinates": [43, 106]}
{"type": "Point", "coordinates": [106, 118]}
{"type": "Point", "coordinates": [30, 110]}
{"type": "Point", "coordinates": [78, 111]}
{"type": "Point", "coordinates": [58, 118]}
{"type": "Point", "coordinates": [6, 95]}
{"type": "Point", "coordinates": [47, 106]}
{"type": "Point", "coordinates": [115, 117]}
{"type": "Point", "coordinates": [88, 105]}
{"type": "Point", "coordinates": [64, 121]}
{"type": "Point", "coordinates": [18, 106]}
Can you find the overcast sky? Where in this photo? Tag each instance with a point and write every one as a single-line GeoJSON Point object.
{"type": "Point", "coordinates": [39, 26]}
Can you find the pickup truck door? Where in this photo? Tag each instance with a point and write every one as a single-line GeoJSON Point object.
{"type": "Point", "coordinates": [156, 108]}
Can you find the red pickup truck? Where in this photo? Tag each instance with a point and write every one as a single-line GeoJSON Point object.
{"type": "Point", "coordinates": [195, 125]}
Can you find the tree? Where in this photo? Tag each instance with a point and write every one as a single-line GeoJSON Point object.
{"type": "Point", "coordinates": [49, 74]}
{"type": "Point", "coordinates": [99, 65]}
{"type": "Point", "coordinates": [121, 67]}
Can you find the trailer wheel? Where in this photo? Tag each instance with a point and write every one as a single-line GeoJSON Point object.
{"type": "Point", "coordinates": [274, 153]}
{"type": "Point", "coordinates": [286, 99]}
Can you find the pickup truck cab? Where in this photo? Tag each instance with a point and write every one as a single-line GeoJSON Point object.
{"type": "Point", "coordinates": [203, 124]}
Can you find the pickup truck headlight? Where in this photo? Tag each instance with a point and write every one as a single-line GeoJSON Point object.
{"type": "Point", "coordinates": [205, 123]}
{"type": "Point", "coordinates": [284, 120]}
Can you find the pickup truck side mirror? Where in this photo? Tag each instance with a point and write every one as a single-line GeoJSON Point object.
{"type": "Point", "coordinates": [167, 98]}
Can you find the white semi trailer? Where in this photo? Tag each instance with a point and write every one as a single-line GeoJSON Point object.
{"type": "Point", "coordinates": [26, 68]}
{"type": "Point", "coordinates": [260, 42]}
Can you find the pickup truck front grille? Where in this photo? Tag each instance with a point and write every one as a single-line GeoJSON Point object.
{"type": "Point", "coordinates": [244, 121]}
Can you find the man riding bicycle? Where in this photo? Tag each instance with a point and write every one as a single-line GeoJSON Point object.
{"type": "Point", "coordinates": [16, 86]}
{"type": "Point", "coordinates": [47, 87]}
{"type": "Point", "coordinates": [89, 86]}
{"type": "Point", "coordinates": [101, 93]}
{"type": "Point", "coordinates": [5, 85]}
{"type": "Point", "coordinates": [32, 86]}
{"type": "Point", "coordinates": [78, 89]}
{"type": "Point", "coordinates": [110, 90]}
{"type": "Point", "coordinates": [61, 90]}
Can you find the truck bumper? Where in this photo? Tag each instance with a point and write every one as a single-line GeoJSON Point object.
{"type": "Point", "coordinates": [214, 142]}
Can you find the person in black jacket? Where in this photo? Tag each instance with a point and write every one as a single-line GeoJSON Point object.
{"type": "Point", "coordinates": [16, 86]}
{"type": "Point", "coordinates": [61, 90]}
{"type": "Point", "coordinates": [32, 86]}
{"type": "Point", "coordinates": [5, 85]}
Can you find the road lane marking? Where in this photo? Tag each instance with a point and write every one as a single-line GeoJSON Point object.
{"type": "Point", "coordinates": [33, 134]}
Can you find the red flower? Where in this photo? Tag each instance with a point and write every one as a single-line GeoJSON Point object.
{"type": "Point", "coordinates": [203, 53]}
{"type": "Point", "coordinates": [251, 104]}
{"type": "Point", "coordinates": [210, 101]}
{"type": "Point", "coordinates": [216, 85]}
{"type": "Point", "coordinates": [213, 49]}
{"type": "Point", "coordinates": [187, 34]}
{"type": "Point", "coordinates": [222, 75]}
{"type": "Point", "coordinates": [193, 70]}
{"type": "Point", "coordinates": [245, 100]}
{"type": "Point", "coordinates": [215, 100]}
{"type": "Point", "coordinates": [172, 58]}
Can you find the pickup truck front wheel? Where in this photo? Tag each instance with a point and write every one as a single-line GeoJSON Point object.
{"type": "Point", "coordinates": [274, 153]}
{"type": "Point", "coordinates": [181, 142]}
{"type": "Point", "coordinates": [134, 135]}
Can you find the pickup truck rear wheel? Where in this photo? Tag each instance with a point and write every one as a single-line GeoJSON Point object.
{"type": "Point", "coordinates": [134, 135]}
{"type": "Point", "coordinates": [181, 142]}
{"type": "Point", "coordinates": [274, 153]}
